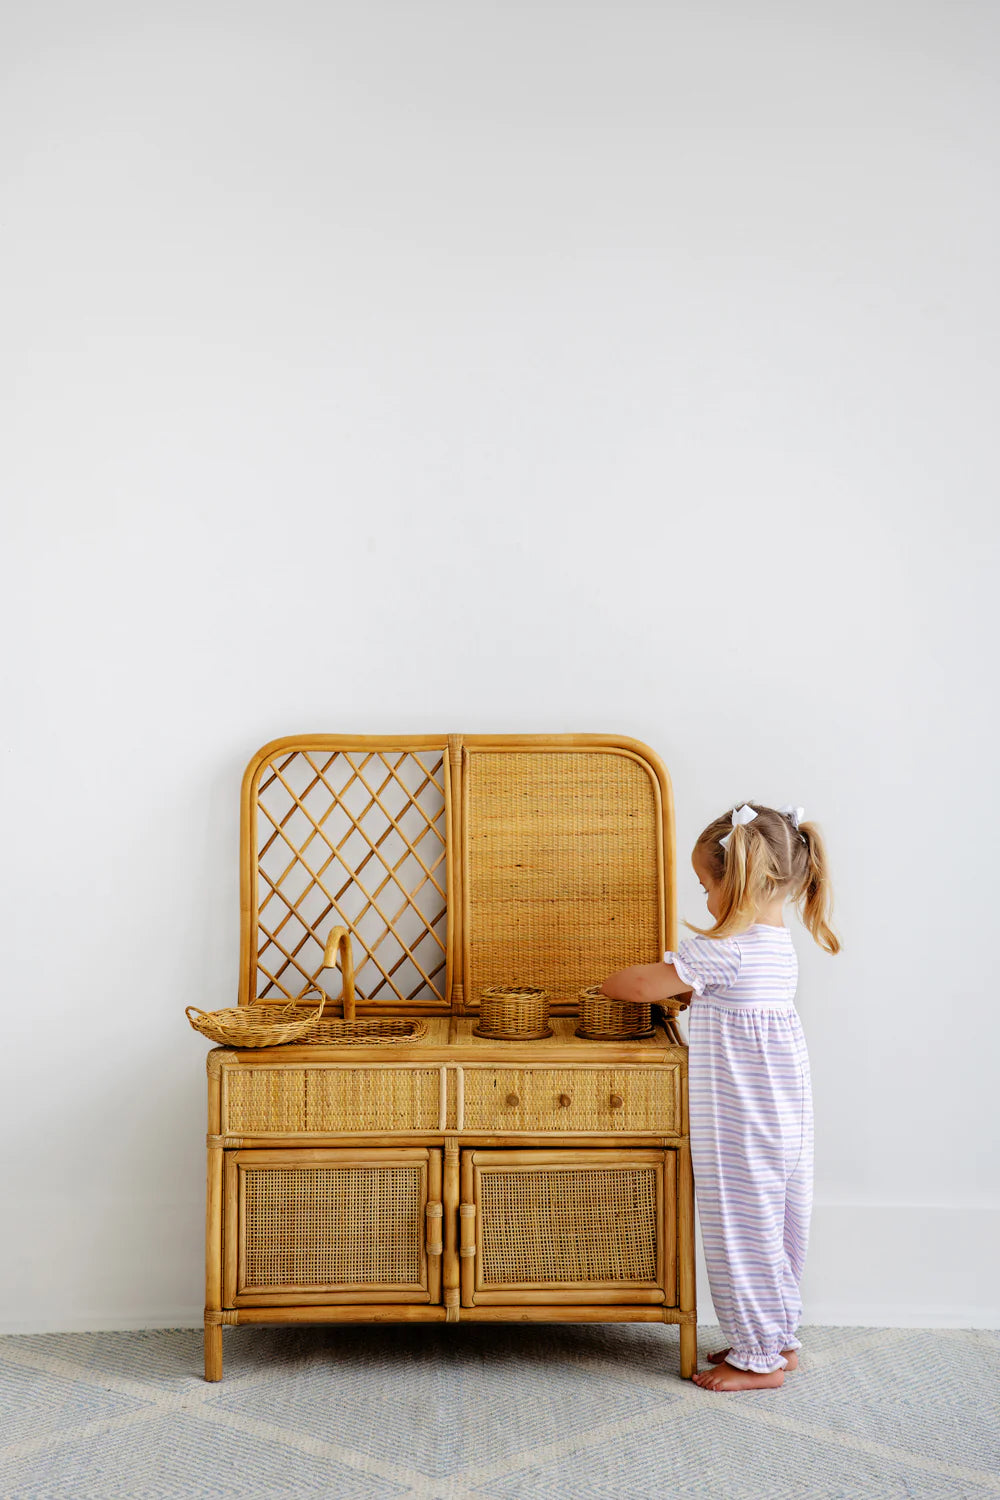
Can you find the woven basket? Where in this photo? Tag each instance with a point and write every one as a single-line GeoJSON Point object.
{"type": "Point", "coordinates": [514, 1014]}
{"type": "Point", "coordinates": [255, 1025]}
{"type": "Point", "coordinates": [602, 1019]}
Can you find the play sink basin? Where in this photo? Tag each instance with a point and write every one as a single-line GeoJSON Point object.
{"type": "Point", "coordinates": [364, 1030]}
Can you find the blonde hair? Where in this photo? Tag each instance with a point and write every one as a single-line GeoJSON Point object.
{"type": "Point", "coordinates": [762, 858]}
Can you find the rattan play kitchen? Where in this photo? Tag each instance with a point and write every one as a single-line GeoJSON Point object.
{"type": "Point", "coordinates": [464, 1132]}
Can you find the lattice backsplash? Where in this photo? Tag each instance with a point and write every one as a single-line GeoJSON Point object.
{"type": "Point", "coordinates": [354, 838]}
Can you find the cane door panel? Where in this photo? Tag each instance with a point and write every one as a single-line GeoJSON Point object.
{"type": "Point", "coordinates": [563, 1227]}
{"type": "Point", "coordinates": [329, 1226]}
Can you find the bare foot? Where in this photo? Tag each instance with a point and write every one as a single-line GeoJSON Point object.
{"type": "Point", "coordinates": [726, 1377]}
{"type": "Point", "coordinates": [792, 1355]}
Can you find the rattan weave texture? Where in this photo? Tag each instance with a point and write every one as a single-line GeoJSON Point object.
{"type": "Point", "coordinates": [284, 1101]}
{"type": "Point", "coordinates": [324, 1226]}
{"type": "Point", "coordinates": [562, 853]}
{"type": "Point", "coordinates": [576, 1224]}
{"type": "Point", "coordinates": [648, 1099]}
{"type": "Point", "coordinates": [602, 1019]}
{"type": "Point", "coordinates": [514, 1015]}
{"type": "Point", "coordinates": [365, 1031]}
{"type": "Point", "coordinates": [256, 1025]}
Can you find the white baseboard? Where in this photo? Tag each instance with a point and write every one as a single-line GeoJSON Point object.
{"type": "Point", "coordinates": [897, 1265]}
{"type": "Point", "coordinates": [868, 1265]}
{"type": "Point", "coordinates": [108, 1323]}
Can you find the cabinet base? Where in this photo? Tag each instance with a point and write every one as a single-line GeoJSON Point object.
{"type": "Point", "coordinates": [422, 1313]}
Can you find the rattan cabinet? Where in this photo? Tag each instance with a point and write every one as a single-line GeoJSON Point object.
{"type": "Point", "coordinates": [450, 1177]}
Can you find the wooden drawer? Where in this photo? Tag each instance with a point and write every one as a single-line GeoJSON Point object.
{"type": "Point", "coordinates": [630, 1100]}
{"type": "Point", "coordinates": [327, 1099]}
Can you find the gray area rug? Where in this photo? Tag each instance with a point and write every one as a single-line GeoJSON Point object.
{"type": "Point", "coordinates": [498, 1412]}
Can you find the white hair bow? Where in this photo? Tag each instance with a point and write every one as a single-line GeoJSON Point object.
{"type": "Point", "coordinates": [744, 814]}
{"type": "Point", "coordinates": [795, 816]}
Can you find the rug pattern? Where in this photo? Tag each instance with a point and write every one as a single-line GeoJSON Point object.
{"type": "Point", "coordinates": [495, 1412]}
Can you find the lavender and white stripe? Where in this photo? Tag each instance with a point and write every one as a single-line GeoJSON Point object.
{"type": "Point", "coordinates": [751, 1113]}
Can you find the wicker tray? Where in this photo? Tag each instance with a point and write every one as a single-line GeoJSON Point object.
{"type": "Point", "coordinates": [263, 1026]}
{"type": "Point", "coordinates": [255, 1025]}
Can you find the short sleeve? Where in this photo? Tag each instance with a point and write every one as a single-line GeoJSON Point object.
{"type": "Point", "coordinates": [708, 965]}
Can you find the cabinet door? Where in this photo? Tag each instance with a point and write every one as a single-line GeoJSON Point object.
{"type": "Point", "coordinates": [560, 1227]}
{"type": "Point", "coordinates": [329, 1226]}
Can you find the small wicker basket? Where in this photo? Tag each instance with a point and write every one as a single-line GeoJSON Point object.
{"type": "Point", "coordinates": [603, 1020]}
{"type": "Point", "coordinates": [514, 1014]}
{"type": "Point", "coordinates": [255, 1025]}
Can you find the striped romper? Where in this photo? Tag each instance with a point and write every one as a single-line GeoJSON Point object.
{"type": "Point", "coordinates": [751, 1113]}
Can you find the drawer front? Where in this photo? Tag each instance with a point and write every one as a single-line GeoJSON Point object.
{"type": "Point", "coordinates": [325, 1100]}
{"type": "Point", "coordinates": [629, 1100]}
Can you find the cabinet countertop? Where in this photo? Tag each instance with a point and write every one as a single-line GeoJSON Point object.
{"type": "Point", "coordinates": [450, 1039]}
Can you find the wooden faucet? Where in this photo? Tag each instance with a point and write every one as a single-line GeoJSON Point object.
{"type": "Point", "coordinates": [340, 939]}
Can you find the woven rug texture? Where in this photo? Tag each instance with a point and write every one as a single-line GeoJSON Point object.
{"type": "Point", "coordinates": [496, 1412]}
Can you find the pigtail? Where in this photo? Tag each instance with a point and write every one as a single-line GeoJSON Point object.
{"type": "Point", "coordinates": [749, 874]}
{"type": "Point", "coordinates": [815, 899]}
{"type": "Point", "coordinates": [770, 853]}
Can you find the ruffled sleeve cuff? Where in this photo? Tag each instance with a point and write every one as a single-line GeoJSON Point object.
{"type": "Point", "coordinates": [710, 966]}
{"type": "Point", "coordinates": [685, 971]}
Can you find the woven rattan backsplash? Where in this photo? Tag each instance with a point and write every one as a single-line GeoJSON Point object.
{"type": "Point", "coordinates": [456, 862]}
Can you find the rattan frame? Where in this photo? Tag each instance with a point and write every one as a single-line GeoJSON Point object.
{"type": "Point", "coordinates": [456, 758]}
{"type": "Point", "coordinates": [616, 1133]}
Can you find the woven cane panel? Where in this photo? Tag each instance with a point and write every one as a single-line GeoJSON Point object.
{"type": "Point", "coordinates": [351, 839]}
{"type": "Point", "coordinates": [324, 1226]}
{"type": "Point", "coordinates": [578, 1224]}
{"type": "Point", "coordinates": [649, 1099]}
{"type": "Point", "coordinates": [283, 1101]}
{"type": "Point", "coordinates": [562, 869]}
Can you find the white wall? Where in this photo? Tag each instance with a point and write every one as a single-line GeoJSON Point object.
{"type": "Point", "coordinates": [464, 367]}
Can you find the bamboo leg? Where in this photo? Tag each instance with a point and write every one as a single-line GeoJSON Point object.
{"type": "Point", "coordinates": [686, 1266]}
{"type": "Point", "coordinates": [689, 1350]}
{"type": "Point", "coordinates": [213, 1351]}
{"type": "Point", "coordinates": [213, 1233]}
{"type": "Point", "coordinates": [213, 1266]}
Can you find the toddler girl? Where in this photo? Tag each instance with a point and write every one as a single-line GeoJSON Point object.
{"type": "Point", "coordinates": [750, 1096]}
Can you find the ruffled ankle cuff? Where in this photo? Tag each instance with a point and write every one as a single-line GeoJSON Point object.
{"type": "Point", "coordinates": [757, 1360]}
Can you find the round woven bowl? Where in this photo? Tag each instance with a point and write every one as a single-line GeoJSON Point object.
{"type": "Point", "coordinates": [513, 1014]}
{"type": "Point", "coordinates": [604, 1020]}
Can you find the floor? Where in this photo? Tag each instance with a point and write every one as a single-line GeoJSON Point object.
{"type": "Point", "coordinates": [499, 1412]}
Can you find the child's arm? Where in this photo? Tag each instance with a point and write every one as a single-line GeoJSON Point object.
{"type": "Point", "coordinates": [645, 983]}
